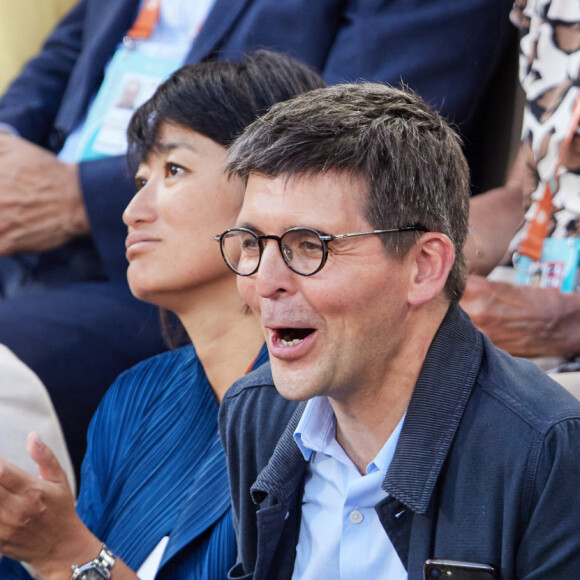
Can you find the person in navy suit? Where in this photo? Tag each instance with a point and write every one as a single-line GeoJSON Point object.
{"type": "Point", "coordinates": [66, 310]}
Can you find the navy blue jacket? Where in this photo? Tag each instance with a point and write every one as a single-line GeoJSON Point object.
{"type": "Point", "coordinates": [486, 469]}
{"type": "Point", "coordinates": [86, 329]}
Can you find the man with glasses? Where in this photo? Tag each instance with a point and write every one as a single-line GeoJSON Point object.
{"type": "Point", "coordinates": [402, 433]}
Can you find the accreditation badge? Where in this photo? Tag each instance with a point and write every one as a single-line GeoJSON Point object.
{"type": "Point", "coordinates": [557, 268]}
{"type": "Point", "coordinates": [559, 264]}
{"type": "Point", "coordinates": [130, 80]}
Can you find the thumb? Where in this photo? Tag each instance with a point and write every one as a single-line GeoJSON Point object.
{"type": "Point", "coordinates": [49, 468]}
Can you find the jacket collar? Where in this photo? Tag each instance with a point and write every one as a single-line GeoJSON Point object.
{"type": "Point", "coordinates": [285, 470]}
{"type": "Point", "coordinates": [435, 410]}
{"type": "Point", "coordinates": [221, 18]}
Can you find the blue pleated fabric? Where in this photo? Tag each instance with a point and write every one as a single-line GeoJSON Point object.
{"type": "Point", "coordinates": [155, 467]}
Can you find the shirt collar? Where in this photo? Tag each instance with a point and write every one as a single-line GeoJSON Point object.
{"type": "Point", "coordinates": [316, 428]}
{"type": "Point", "coordinates": [316, 431]}
{"type": "Point", "coordinates": [384, 457]}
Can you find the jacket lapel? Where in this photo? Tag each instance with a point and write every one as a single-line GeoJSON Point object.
{"type": "Point", "coordinates": [209, 497]}
{"type": "Point", "coordinates": [275, 491]}
{"type": "Point", "coordinates": [433, 417]}
{"type": "Point", "coordinates": [286, 467]}
{"type": "Point", "coordinates": [435, 411]}
{"type": "Point", "coordinates": [219, 21]}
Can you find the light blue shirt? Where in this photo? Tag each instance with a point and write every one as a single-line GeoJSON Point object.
{"type": "Point", "coordinates": [341, 536]}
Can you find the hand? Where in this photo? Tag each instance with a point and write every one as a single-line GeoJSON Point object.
{"type": "Point", "coordinates": [524, 321]}
{"type": "Point", "coordinates": [41, 204]}
{"type": "Point", "coordinates": [38, 521]}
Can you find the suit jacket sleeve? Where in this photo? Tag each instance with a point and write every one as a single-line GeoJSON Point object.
{"type": "Point", "coordinates": [445, 50]}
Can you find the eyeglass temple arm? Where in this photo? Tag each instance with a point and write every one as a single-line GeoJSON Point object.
{"type": "Point", "coordinates": [329, 238]}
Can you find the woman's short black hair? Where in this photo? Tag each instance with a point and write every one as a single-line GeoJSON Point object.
{"type": "Point", "coordinates": [219, 99]}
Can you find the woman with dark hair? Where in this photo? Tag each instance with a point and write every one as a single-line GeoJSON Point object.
{"type": "Point", "coordinates": [154, 494]}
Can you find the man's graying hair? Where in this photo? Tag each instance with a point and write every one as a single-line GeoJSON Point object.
{"type": "Point", "coordinates": [410, 159]}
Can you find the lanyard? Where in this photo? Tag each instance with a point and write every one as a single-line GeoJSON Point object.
{"type": "Point", "coordinates": [146, 20]}
{"type": "Point", "coordinates": [537, 229]}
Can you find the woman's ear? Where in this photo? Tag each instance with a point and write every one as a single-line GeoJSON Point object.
{"type": "Point", "coordinates": [433, 256]}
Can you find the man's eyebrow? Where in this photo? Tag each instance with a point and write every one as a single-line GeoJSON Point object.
{"type": "Point", "coordinates": [247, 226]}
{"type": "Point", "coordinates": [257, 230]}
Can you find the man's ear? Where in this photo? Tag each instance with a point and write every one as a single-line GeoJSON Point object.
{"type": "Point", "coordinates": [433, 256]}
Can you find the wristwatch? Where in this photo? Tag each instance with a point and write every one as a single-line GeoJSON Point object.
{"type": "Point", "coordinates": [97, 569]}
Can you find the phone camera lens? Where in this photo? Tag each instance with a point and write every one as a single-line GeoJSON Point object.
{"type": "Point", "coordinates": [434, 572]}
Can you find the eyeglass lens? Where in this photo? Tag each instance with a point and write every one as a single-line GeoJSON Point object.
{"type": "Point", "coordinates": [301, 249]}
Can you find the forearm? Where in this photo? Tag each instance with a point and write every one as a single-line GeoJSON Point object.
{"type": "Point", "coordinates": [551, 326]}
{"type": "Point", "coordinates": [494, 218]}
{"type": "Point", "coordinates": [84, 549]}
{"type": "Point", "coordinates": [524, 321]}
{"type": "Point", "coordinates": [562, 329]}
{"type": "Point", "coordinates": [58, 566]}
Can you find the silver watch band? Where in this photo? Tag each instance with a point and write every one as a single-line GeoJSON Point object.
{"type": "Point", "coordinates": [101, 566]}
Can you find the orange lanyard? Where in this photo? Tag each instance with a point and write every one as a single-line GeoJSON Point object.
{"type": "Point", "coordinates": [537, 230]}
{"type": "Point", "coordinates": [146, 20]}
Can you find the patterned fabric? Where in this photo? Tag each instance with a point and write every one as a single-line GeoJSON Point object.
{"type": "Point", "coordinates": [550, 75]}
{"type": "Point", "coordinates": [155, 467]}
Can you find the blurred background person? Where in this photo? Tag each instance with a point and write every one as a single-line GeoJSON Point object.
{"type": "Point", "coordinates": [536, 315]}
{"type": "Point", "coordinates": [24, 407]}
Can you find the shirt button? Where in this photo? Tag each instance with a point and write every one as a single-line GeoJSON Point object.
{"type": "Point", "coordinates": [355, 517]}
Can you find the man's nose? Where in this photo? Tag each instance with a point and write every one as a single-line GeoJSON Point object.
{"type": "Point", "coordinates": [273, 275]}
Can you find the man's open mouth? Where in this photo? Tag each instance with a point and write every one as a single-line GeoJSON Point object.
{"type": "Point", "coordinates": [292, 336]}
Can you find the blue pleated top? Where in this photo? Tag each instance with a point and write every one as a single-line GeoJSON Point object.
{"type": "Point", "coordinates": [154, 467]}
